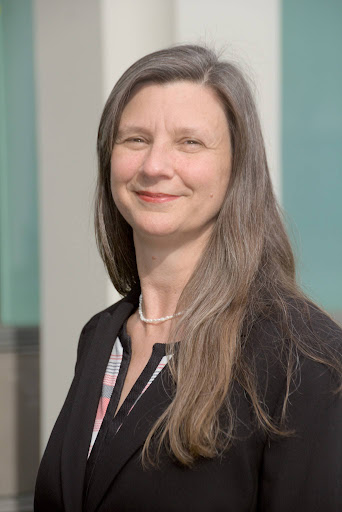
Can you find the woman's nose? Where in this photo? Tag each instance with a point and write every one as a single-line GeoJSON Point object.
{"type": "Point", "coordinates": [158, 161]}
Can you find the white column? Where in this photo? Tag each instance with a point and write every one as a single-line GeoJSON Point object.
{"type": "Point", "coordinates": [131, 29]}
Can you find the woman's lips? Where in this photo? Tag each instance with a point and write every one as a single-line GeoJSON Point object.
{"type": "Point", "coordinates": [150, 197]}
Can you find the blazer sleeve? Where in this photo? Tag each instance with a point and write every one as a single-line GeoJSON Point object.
{"type": "Point", "coordinates": [303, 472]}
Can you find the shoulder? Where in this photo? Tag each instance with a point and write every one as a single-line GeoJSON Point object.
{"type": "Point", "coordinates": [299, 358]}
{"type": "Point", "coordinates": [93, 321]}
{"type": "Point", "coordinates": [310, 320]}
{"type": "Point", "coordinates": [132, 297]}
{"type": "Point", "coordinates": [90, 327]}
{"type": "Point", "coordinates": [301, 322]}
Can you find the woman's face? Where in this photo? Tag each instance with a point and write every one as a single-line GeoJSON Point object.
{"type": "Point", "coordinates": [171, 160]}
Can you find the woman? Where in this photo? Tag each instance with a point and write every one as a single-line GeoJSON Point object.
{"type": "Point", "coordinates": [213, 384]}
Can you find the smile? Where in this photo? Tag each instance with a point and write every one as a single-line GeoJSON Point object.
{"type": "Point", "coordinates": [155, 197]}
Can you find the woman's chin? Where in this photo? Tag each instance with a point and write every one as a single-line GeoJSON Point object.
{"type": "Point", "coordinates": [160, 231]}
{"type": "Point", "coordinates": [156, 233]}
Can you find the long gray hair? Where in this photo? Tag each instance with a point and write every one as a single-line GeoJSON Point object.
{"type": "Point", "coordinates": [246, 270]}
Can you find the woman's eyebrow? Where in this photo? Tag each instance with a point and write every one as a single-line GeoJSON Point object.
{"type": "Point", "coordinates": [131, 128]}
{"type": "Point", "coordinates": [198, 132]}
{"type": "Point", "coordinates": [191, 131]}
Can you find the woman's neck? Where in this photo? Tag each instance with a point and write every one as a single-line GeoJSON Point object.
{"type": "Point", "coordinates": [164, 269]}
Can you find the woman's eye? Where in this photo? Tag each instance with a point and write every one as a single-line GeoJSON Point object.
{"type": "Point", "coordinates": [135, 139]}
{"type": "Point", "coordinates": [191, 144]}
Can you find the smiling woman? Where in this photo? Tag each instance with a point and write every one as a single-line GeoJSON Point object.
{"type": "Point", "coordinates": [214, 384]}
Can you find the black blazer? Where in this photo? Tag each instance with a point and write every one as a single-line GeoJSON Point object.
{"type": "Point", "coordinates": [300, 473]}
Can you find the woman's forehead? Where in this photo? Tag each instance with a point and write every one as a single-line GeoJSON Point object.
{"type": "Point", "coordinates": [185, 103]}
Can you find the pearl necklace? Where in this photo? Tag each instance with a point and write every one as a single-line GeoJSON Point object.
{"type": "Point", "coordinates": [155, 320]}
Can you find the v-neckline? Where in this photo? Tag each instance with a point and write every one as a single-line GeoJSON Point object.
{"type": "Point", "coordinates": [113, 421]}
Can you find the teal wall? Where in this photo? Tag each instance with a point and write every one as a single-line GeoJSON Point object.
{"type": "Point", "coordinates": [19, 285]}
{"type": "Point", "coordinates": [312, 142]}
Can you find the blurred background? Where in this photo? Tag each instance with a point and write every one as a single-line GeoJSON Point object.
{"type": "Point", "coordinates": [58, 63]}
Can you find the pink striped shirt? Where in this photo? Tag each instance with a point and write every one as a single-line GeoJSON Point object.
{"type": "Point", "coordinates": [108, 385]}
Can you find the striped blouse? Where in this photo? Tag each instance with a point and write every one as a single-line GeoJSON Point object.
{"type": "Point", "coordinates": [113, 382]}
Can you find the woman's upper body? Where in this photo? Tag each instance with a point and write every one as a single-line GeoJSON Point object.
{"type": "Point", "coordinates": [301, 472]}
{"type": "Point", "coordinates": [185, 213]}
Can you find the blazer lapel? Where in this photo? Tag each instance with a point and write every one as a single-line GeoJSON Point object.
{"type": "Point", "coordinates": [84, 405]}
{"type": "Point", "coordinates": [131, 436]}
